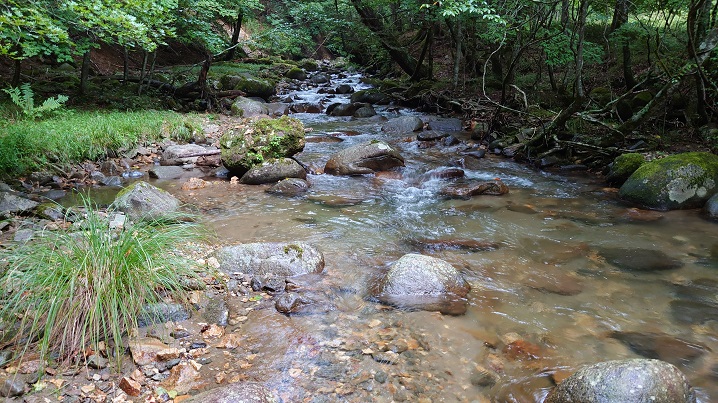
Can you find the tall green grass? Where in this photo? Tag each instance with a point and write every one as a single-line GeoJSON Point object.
{"type": "Point", "coordinates": [68, 290]}
{"type": "Point", "coordinates": [78, 136]}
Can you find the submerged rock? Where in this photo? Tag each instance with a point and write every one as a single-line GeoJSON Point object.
{"type": "Point", "coordinates": [365, 158]}
{"type": "Point", "coordinates": [423, 282]}
{"type": "Point", "coordinates": [289, 187]}
{"type": "Point", "coordinates": [626, 381]}
{"type": "Point", "coordinates": [661, 346]}
{"type": "Point", "coordinates": [465, 191]}
{"type": "Point", "coordinates": [281, 259]}
{"type": "Point", "coordinates": [244, 392]}
{"type": "Point", "coordinates": [644, 260]}
{"type": "Point", "coordinates": [680, 181]}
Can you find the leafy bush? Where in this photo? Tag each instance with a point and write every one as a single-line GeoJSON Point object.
{"type": "Point", "coordinates": [70, 289]}
{"type": "Point", "coordinates": [24, 98]}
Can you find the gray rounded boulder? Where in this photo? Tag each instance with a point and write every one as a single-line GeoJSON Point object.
{"type": "Point", "coordinates": [289, 187]}
{"type": "Point", "coordinates": [626, 381]}
{"type": "Point", "coordinates": [711, 207]}
{"type": "Point", "coordinates": [273, 171]}
{"type": "Point", "coordinates": [365, 158]}
{"type": "Point", "coordinates": [681, 181]}
{"type": "Point", "coordinates": [403, 124]}
{"type": "Point", "coordinates": [245, 107]}
{"type": "Point", "coordinates": [144, 201]}
{"type": "Point", "coordinates": [423, 282]}
{"type": "Point", "coordinates": [280, 259]}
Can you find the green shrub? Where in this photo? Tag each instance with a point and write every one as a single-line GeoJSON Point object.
{"type": "Point", "coordinates": [69, 289]}
{"type": "Point", "coordinates": [24, 98]}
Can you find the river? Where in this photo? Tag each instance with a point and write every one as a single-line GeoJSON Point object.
{"type": "Point", "coordinates": [545, 296]}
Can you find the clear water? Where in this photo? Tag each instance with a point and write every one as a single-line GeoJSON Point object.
{"type": "Point", "coordinates": [550, 229]}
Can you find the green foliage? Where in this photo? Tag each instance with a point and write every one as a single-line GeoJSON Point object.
{"type": "Point", "coordinates": [24, 98]}
{"type": "Point", "coordinates": [69, 289]}
{"type": "Point", "coordinates": [29, 145]}
{"type": "Point", "coordinates": [27, 29]}
{"type": "Point", "coordinates": [455, 8]}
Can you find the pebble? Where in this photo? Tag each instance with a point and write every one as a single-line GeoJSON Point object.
{"type": "Point", "coordinates": [12, 387]}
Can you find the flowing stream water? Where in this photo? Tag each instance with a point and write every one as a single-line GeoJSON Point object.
{"type": "Point", "coordinates": [544, 298]}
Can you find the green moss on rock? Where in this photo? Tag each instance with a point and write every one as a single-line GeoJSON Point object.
{"type": "Point", "coordinates": [261, 140]}
{"type": "Point", "coordinates": [680, 181]}
{"type": "Point", "coordinates": [623, 167]}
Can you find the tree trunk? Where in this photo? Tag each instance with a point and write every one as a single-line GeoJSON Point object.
{"type": "Point", "coordinates": [427, 43]}
{"type": "Point", "coordinates": [125, 64]}
{"type": "Point", "coordinates": [620, 17]}
{"type": "Point", "coordinates": [578, 90]}
{"type": "Point", "coordinates": [84, 73]}
{"type": "Point", "coordinates": [457, 58]}
{"type": "Point", "coordinates": [398, 54]}
{"type": "Point", "coordinates": [16, 73]}
{"type": "Point", "coordinates": [235, 37]}
{"type": "Point", "coordinates": [142, 72]}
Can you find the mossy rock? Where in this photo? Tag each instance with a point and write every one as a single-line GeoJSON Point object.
{"type": "Point", "coordinates": [255, 87]}
{"type": "Point", "coordinates": [623, 167]}
{"type": "Point", "coordinates": [600, 95]}
{"type": "Point", "coordinates": [261, 140]}
{"type": "Point", "coordinates": [309, 64]}
{"type": "Point", "coordinates": [246, 107]}
{"type": "Point", "coordinates": [681, 181]}
{"type": "Point", "coordinates": [641, 99]}
{"type": "Point", "coordinates": [296, 73]}
{"type": "Point", "coordinates": [372, 96]}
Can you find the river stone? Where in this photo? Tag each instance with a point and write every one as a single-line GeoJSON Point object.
{"type": "Point", "coordinates": [344, 89]}
{"type": "Point", "coordinates": [403, 124]}
{"type": "Point", "coordinates": [465, 191]}
{"type": "Point", "coordinates": [11, 387]}
{"type": "Point", "coordinates": [711, 207]}
{"type": "Point", "coordinates": [244, 392]}
{"type": "Point", "coordinates": [319, 78]}
{"type": "Point", "coordinates": [365, 158]}
{"type": "Point", "coordinates": [625, 381]}
{"type": "Point", "coordinates": [303, 303]}
{"type": "Point", "coordinates": [289, 187]}
{"type": "Point", "coordinates": [216, 311]}
{"type": "Point", "coordinates": [642, 260]}
{"type": "Point", "coordinates": [680, 181]}
{"type": "Point", "coordinates": [446, 124]}
{"type": "Point", "coordinates": [372, 96]}
{"type": "Point", "coordinates": [623, 167]}
{"type": "Point", "coordinates": [273, 171]}
{"type": "Point", "coordinates": [252, 86]}
{"type": "Point", "coordinates": [696, 301]}
{"type": "Point", "coordinates": [162, 312]}
{"type": "Point", "coordinates": [296, 73]}
{"type": "Point", "coordinates": [144, 201]}
{"type": "Point", "coordinates": [172, 172]}
{"type": "Point", "coordinates": [423, 282]}
{"type": "Point", "coordinates": [341, 109]}
{"type": "Point", "coordinates": [245, 107]}
{"type": "Point", "coordinates": [364, 111]}
{"type": "Point", "coordinates": [430, 135]}
{"type": "Point", "coordinates": [181, 154]}
{"type": "Point", "coordinates": [259, 140]}
{"type": "Point", "coordinates": [280, 259]}
{"type": "Point", "coordinates": [13, 204]}
{"type": "Point", "coordinates": [661, 346]}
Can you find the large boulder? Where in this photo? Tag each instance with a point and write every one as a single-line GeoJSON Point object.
{"type": "Point", "coordinates": [245, 107]}
{"type": "Point", "coordinates": [423, 282]}
{"type": "Point", "coordinates": [253, 87]}
{"type": "Point", "coordinates": [365, 158]}
{"type": "Point", "coordinates": [372, 96]}
{"type": "Point", "coordinates": [680, 181]}
{"type": "Point", "coordinates": [711, 207]}
{"type": "Point", "coordinates": [249, 145]}
{"type": "Point", "coordinates": [403, 124]}
{"type": "Point", "coordinates": [289, 187]}
{"type": "Point", "coordinates": [273, 171]}
{"type": "Point", "coordinates": [626, 381]}
{"type": "Point", "coordinates": [278, 259]}
{"type": "Point", "coordinates": [144, 201]}
{"type": "Point", "coordinates": [243, 392]}
{"type": "Point", "coordinates": [623, 167]}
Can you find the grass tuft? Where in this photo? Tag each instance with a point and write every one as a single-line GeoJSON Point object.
{"type": "Point", "coordinates": [67, 290]}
